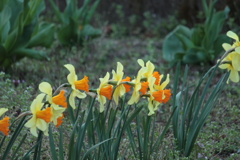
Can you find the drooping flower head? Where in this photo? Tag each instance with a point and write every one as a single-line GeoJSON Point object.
{"type": "Point", "coordinates": [4, 123]}
{"type": "Point", "coordinates": [104, 91]}
{"type": "Point", "coordinates": [40, 118]}
{"type": "Point", "coordinates": [76, 85]}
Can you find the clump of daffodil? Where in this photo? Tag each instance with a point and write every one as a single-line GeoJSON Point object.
{"type": "Point", "coordinates": [76, 85]}
{"type": "Point", "coordinates": [40, 117]}
{"type": "Point", "coordinates": [121, 88]}
{"type": "Point", "coordinates": [4, 123]}
{"type": "Point", "coordinates": [104, 91]}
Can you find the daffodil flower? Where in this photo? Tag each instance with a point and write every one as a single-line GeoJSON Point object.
{"type": "Point", "coordinates": [137, 86]}
{"type": "Point", "coordinates": [76, 85]}
{"type": "Point", "coordinates": [120, 89]}
{"type": "Point", "coordinates": [40, 118]}
{"type": "Point", "coordinates": [227, 63]}
{"type": "Point", "coordinates": [59, 99]}
{"type": "Point", "coordinates": [4, 123]}
{"type": "Point", "coordinates": [104, 91]}
{"type": "Point", "coordinates": [149, 69]}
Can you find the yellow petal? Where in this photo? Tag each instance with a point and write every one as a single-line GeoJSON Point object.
{"type": "Point", "coordinates": [45, 87]}
{"type": "Point", "coordinates": [237, 49]}
{"type": "Point", "coordinates": [234, 76]}
{"type": "Point", "coordinates": [72, 77]}
{"type": "Point", "coordinates": [224, 66]}
{"type": "Point", "coordinates": [150, 108]}
{"type": "Point", "coordinates": [33, 130]}
{"type": "Point", "coordinates": [226, 46]}
{"type": "Point", "coordinates": [72, 99]}
{"type": "Point", "coordinates": [236, 61]}
{"type": "Point", "coordinates": [41, 124]}
{"type": "Point", "coordinates": [232, 35]}
{"type": "Point", "coordinates": [3, 110]}
{"type": "Point", "coordinates": [37, 103]}
{"type": "Point", "coordinates": [30, 123]}
{"type": "Point", "coordinates": [165, 83]}
{"type": "Point", "coordinates": [140, 62]}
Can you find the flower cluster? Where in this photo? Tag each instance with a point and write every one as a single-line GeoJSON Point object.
{"type": "Point", "coordinates": [47, 108]}
{"type": "Point", "coordinates": [231, 61]}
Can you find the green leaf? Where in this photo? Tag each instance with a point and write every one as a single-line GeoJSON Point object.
{"type": "Point", "coordinates": [172, 44]}
{"type": "Point", "coordinates": [194, 55]}
{"type": "Point", "coordinates": [23, 52]}
{"type": "Point", "coordinates": [89, 31]}
{"type": "Point", "coordinates": [44, 36]}
{"type": "Point", "coordinates": [67, 34]}
{"type": "Point", "coordinates": [5, 15]}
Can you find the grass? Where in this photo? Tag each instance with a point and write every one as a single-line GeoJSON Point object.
{"type": "Point", "coordinates": [219, 138]}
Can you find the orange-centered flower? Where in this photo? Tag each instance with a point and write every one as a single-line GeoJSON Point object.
{"type": "Point", "coordinates": [106, 92]}
{"type": "Point", "coordinates": [44, 114]}
{"type": "Point", "coordinates": [60, 99]}
{"type": "Point", "coordinates": [144, 87]}
{"type": "Point", "coordinates": [59, 121]}
{"type": "Point", "coordinates": [4, 124]}
{"type": "Point", "coordinates": [127, 87]}
{"type": "Point", "coordinates": [157, 76]}
{"type": "Point", "coordinates": [82, 84]}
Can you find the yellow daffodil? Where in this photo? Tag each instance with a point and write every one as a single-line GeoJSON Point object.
{"type": "Point", "coordinates": [104, 91]}
{"type": "Point", "coordinates": [120, 89]}
{"type": "Point", "coordinates": [149, 69]}
{"type": "Point", "coordinates": [40, 118]}
{"type": "Point", "coordinates": [227, 63]}
{"type": "Point", "coordinates": [76, 85]}
{"type": "Point", "coordinates": [4, 123]}
{"type": "Point", "coordinates": [137, 86]}
{"type": "Point", "coordinates": [59, 99]}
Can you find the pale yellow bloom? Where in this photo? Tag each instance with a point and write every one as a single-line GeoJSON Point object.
{"type": "Point", "coordinates": [40, 118]}
{"type": "Point", "coordinates": [72, 80]}
{"type": "Point", "coordinates": [227, 64]}
{"type": "Point", "coordinates": [104, 91]}
{"type": "Point", "coordinates": [149, 69]}
{"type": "Point", "coordinates": [117, 76]}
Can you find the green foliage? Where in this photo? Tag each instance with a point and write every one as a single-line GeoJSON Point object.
{"type": "Point", "coordinates": [199, 44]}
{"type": "Point", "coordinates": [193, 110]}
{"type": "Point", "coordinates": [20, 31]}
{"type": "Point", "coordinates": [74, 23]}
